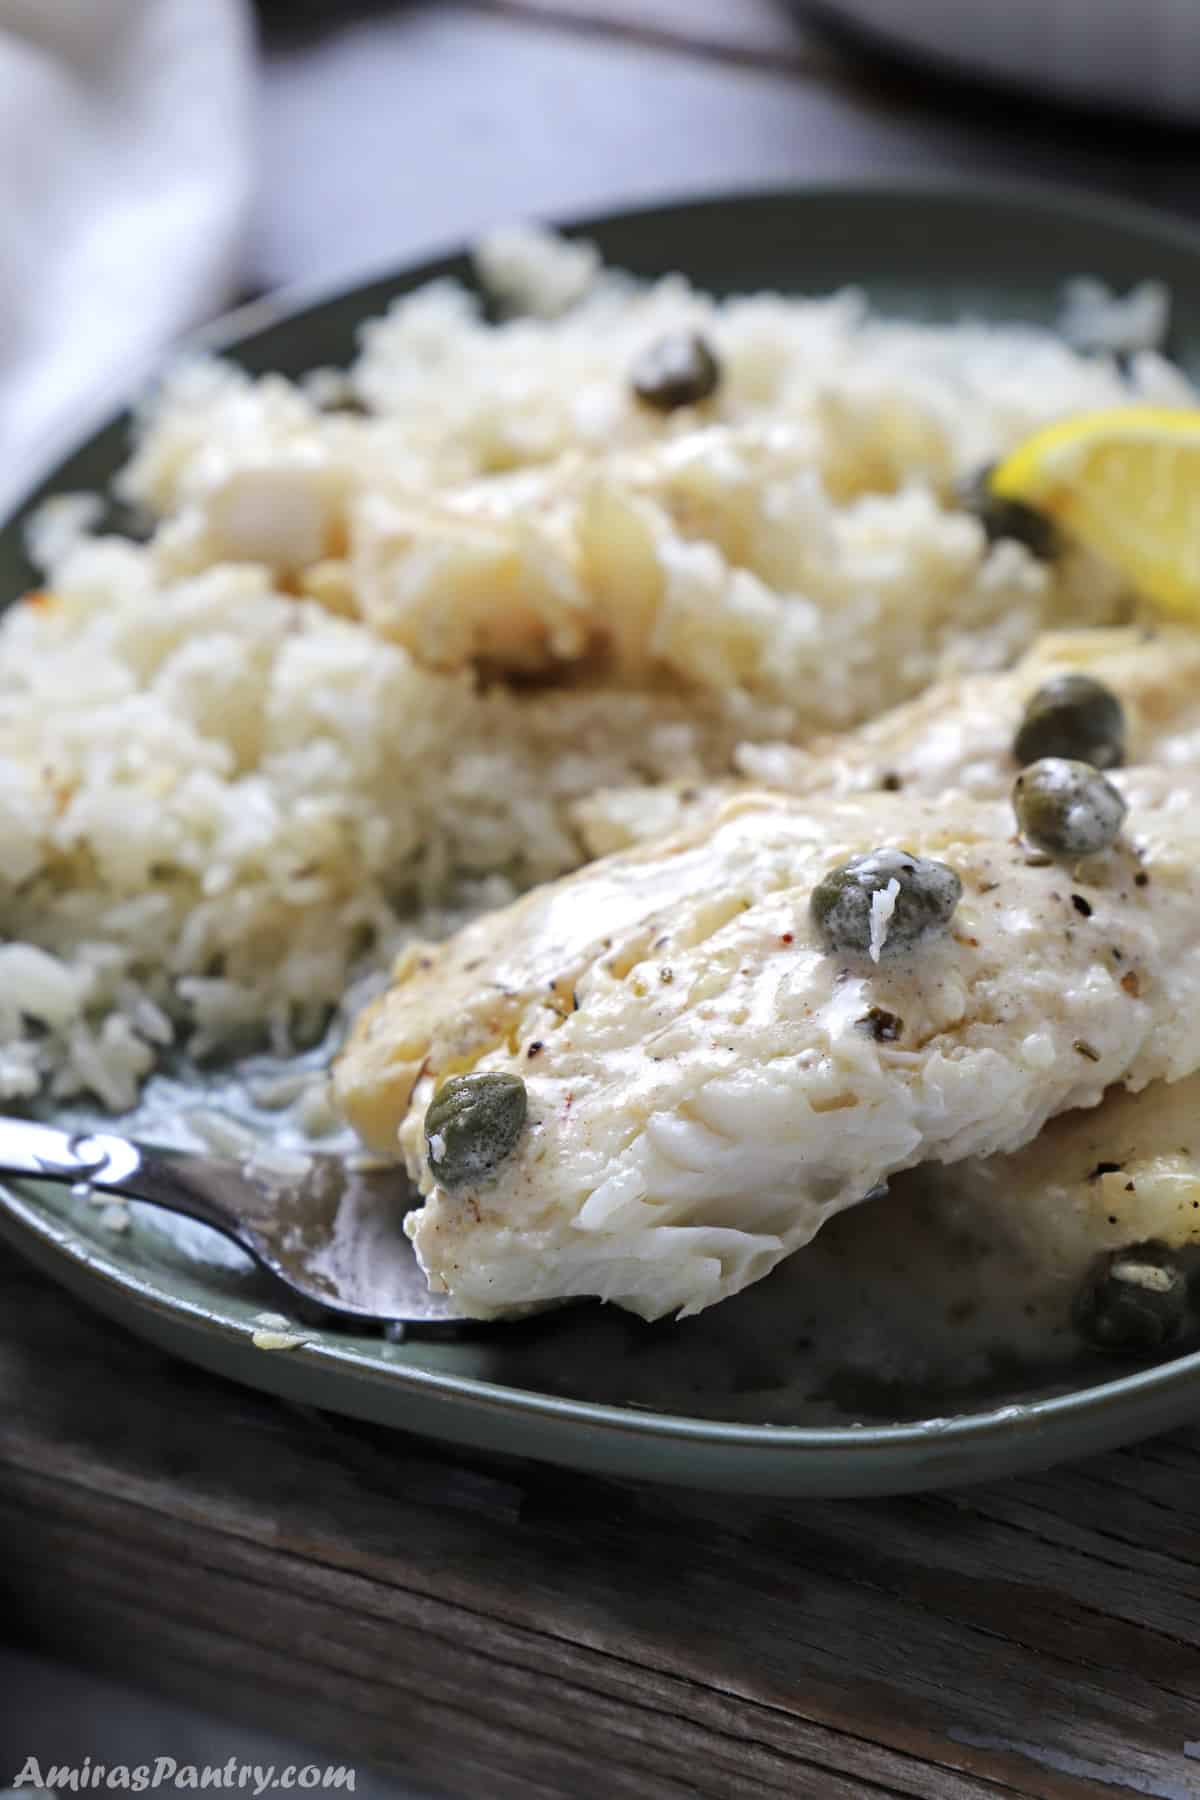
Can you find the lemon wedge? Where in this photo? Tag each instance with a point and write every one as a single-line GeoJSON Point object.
{"type": "Point", "coordinates": [1126, 484]}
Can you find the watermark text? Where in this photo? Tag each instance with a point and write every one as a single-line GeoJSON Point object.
{"type": "Point", "coordinates": [166, 1772]}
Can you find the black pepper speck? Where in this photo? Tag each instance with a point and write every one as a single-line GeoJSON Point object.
{"type": "Point", "coordinates": [885, 1027]}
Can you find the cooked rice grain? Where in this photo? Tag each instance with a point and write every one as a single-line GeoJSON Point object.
{"type": "Point", "coordinates": [365, 664]}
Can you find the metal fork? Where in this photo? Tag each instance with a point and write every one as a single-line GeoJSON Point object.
{"type": "Point", "coordinates": [332, 1235]}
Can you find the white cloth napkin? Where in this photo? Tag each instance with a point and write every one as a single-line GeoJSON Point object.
{"type": "Point", "coordinates": [125, 173]}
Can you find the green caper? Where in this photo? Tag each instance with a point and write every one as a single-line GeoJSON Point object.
{"type": "Point", "coordinates": [1009, 518]}
{"type": "Point", "coordinates": [843, 908]}
{"type": "Point", "coordinates": [1073, 715]}
{"type": "Point", "coordinates": [472, 1124]}
{"type": "Point", "coordinates": [1067, 808]}
{"type": "Point", "coordinates": [1133, 1299]}
{"type": "Point", "coordinates": [680, 370]}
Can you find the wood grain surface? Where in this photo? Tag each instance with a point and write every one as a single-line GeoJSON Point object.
{"type": "Point", "coordinates": [503, 1629]}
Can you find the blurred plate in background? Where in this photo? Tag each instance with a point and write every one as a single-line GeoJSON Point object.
{"type": "Point", "coordinates": [1138, 56]}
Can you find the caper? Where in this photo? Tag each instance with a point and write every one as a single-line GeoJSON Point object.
{"type": "Point", "coordinates": [472, 1125]}
{"type": "Point", "coordinates": [927, 893]}
{"type": "Point", "coordinates": [1133, 1299]}
{"type": "Point", "coordinates": [1067, 808]}
{"type": "Point", "coordinates": [1073, 715]}
{"type": "Point", "coordinates": [1009, 518]}
{"type": "Point", "coordinates": [680, 370]}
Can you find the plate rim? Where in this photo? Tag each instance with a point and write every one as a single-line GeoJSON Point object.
{"type": "Point", "coordinates": [23, 1219]}
{"type": "Point", "coordinates": [952, 1429]}
{"type": "Point", "coordinates": [1053, 199]}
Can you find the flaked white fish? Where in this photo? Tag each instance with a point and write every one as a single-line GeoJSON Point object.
{"type": "Point", "coordinates": [707, 1083]}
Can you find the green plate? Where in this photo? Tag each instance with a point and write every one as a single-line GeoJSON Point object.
{"type": "Point", "coordinates": [766, 1394]}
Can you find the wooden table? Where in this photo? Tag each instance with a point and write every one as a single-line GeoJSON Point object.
{"type": "Point", "coordinates": [488, 1629]}
{"type": "Point", "coordinates": [499, 1630]}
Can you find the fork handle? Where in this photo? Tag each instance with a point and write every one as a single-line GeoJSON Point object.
{"type": "Point", "coordinates": [116, 1165]}
{"type": "Point", "coordinates": [53, 1155]}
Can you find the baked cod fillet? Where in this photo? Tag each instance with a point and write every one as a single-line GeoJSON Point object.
{"type": "Point", "coordinates": [706, 1083]}
{"type": "Point", "coordinates": [957, 734]}
{"type": "Point", "coordinates": [1121, 1173]}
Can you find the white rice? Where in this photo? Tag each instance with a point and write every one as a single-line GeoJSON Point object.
{"type": "Point", "coordinates": [276, 1340]}
{"type": "Point", "coordinates": [240, 761]}
{"type": "Point", "coordinates": [1093, 318]}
